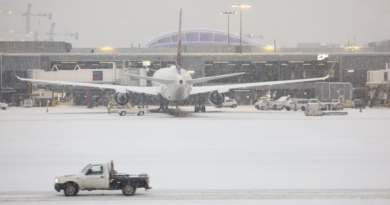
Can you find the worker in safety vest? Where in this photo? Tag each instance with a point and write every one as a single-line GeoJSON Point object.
{"type": "Point", "coordinates": [108, 108]}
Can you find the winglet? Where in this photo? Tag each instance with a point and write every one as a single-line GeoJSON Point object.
{"type": "Point", "coordinates": [19, 77]}
{"type": "Point", "coordinates": [331, 70]}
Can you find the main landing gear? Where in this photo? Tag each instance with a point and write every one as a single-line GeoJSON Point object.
{"type": "Point", "coordinates": [199, 104]}
{"type": "Point", "coordinates": [200, 108]}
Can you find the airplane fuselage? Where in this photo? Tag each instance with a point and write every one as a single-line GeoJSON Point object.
{"type": "Point", "coordinates": [179, 90]}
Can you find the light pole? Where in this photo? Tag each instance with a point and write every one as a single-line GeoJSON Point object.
{"type": "Point", "coordinates": [241, 6]}
{"type": "Point", "coordinates": [228, 13]}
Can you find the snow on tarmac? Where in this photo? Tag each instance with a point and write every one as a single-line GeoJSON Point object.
{"type": "Point", "coordinates": [224, 149]}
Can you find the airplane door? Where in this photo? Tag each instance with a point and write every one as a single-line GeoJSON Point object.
{"type": "Point", "coordinates": [95, 178]}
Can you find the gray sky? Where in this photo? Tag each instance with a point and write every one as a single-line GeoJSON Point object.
{"type": "Point", "coordinates": [121, 22]}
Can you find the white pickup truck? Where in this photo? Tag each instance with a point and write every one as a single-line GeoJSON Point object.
{"type": "Point", "coordinates": [100, 176]}
{"type": "Point", "coordinates": [281, 102]}
{"type": "Point", "coordinates": [269, 105]}
{"type": "Point", "coordinates": [297, 104]}
{"type": "Point", "coordinates": [330, 104]}
{"type": "Point", "coordinates": [3, 106]}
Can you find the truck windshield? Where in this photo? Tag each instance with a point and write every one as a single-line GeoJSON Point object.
{"type": "Point", "coordinates": [85, 168]}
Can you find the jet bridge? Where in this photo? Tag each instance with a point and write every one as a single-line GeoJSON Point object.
{"type": "Point", "coordinates": [87, 75]}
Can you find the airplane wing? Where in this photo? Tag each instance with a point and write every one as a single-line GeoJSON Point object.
{"type": "Point", "coordinates": [201, 80]}
{"type": "Point", "coordinates": [117, 88]}
{"type": "Point", "coordinates": [226, 88]}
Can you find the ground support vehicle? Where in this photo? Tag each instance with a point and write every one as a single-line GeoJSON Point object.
{"type": "Point", "coordinates": [101, 176]}
{"type": "Point", "coordinates": [133, 111]}
{"type": "Point", "coordinates": [261, 99]}
{"type": "Point", "coordinates": [313, 109]}
{"type": "Point", "coordinates": [331, 105]}
{"type": "Point", "coordinates": [4, 106]}
{"type": "Point", "coordinates": [348, 104]}
{"type": "Point", "coordinates": [228, 103]}
{"type": "Point", "coordinates": [357, 103]}
{"type": "Point", "coordinates": [296, 105]}
{"type": "Point", "coordinates": [281, 102]}
{"type": "Point", "coordinates": [268, 105]}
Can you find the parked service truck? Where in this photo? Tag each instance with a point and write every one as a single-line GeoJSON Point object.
{"type": "Point", "coordinates": [101, 176]}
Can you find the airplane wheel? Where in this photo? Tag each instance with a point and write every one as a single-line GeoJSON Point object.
{"type": "Point", "coordinates": [196, 108]}
{"type": "Point", "coordinates": [203, 108]}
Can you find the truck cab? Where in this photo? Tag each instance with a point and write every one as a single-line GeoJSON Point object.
{"type": "Point", "coordinates": [100, 176]}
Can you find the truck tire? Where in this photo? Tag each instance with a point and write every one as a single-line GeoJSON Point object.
{"type": "Point", "coordinates": [71, 189]}
{"type": "Point", "coordinates": [3, 108]}
{"type": "Point", "coordinates": [128, 190]}
{"type": "Point", "coordinates": [258, 108]}
{"type": "Point", "coordinates": [203, 108]}
{"type": "Point", "coordinates": [234, 106]}
{"type": "Point", "coordinates": [303, 108]}
{"type": "Point", "coordinates": [123, 113]}
{"type": "Point", "coordinates": [141, 113]}
{"type": "Point", "coordinates": [288, 108]}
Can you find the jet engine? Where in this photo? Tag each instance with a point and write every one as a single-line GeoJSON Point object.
{"type": "Point", "coordinates": [216, 98]}
{"type": "Point", "coordinates": [122, 98]}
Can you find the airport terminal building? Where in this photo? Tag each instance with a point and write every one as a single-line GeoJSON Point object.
{"type": "Point", "coordinates": [205, 53]}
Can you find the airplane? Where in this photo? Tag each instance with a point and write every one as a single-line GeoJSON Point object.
{"type": "Point", "coordinates": [175, 84]}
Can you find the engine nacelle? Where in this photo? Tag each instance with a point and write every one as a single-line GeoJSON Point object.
{"type": "Point", "coordinates": [122, 98]}
{"type": "Point", "coordinates": [216, 98]}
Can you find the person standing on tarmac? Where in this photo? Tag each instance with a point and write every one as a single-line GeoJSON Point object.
{"type": "Point", "coordinates": [108, 108]}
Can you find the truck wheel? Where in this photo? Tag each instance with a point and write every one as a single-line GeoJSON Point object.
{"type": "Point", "coordinates": [128, 190]}
{"type": "Point", "coordinates": [303, 108]}
{"type": "Point", "coordinates": [71, 189]}
{"type": "Point", "coordinates": [234, 106]}
{"type": "Point", "coordinates": [203, 109]}
{"type": "Point", "coordinates": [3, 108]}
{"type": "Point", "coordinates": [288, 108]}
{"type": "Point", "coordinates": [258, 108]}
{"type": "Point", "coordinates": [141, 113]}
{"type": "Point", "coordinates": [123, 113]}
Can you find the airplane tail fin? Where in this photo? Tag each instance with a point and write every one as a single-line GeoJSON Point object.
{"type": "Point", "coordinates": [178, 62]}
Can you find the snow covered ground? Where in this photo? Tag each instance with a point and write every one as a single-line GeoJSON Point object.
{"type": "Point", "coordinates": [225, 149]}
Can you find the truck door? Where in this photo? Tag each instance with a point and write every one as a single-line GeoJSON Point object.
{"type": "Point", "coordinates": [95, 178]}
